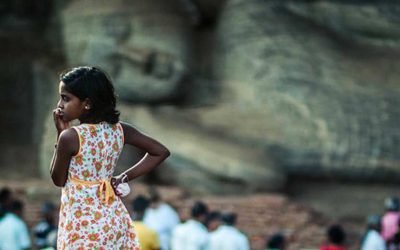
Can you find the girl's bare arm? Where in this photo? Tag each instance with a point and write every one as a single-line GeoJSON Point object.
{"type": "Point", "coordinates": [67, 146]}
{"type": "Point", "coordinates": [155, 151]}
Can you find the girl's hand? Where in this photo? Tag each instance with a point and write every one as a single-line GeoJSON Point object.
{"type": "Point", "coordinates": [60, 124]}
{"type": "Point", "coordinates": [117, 180]}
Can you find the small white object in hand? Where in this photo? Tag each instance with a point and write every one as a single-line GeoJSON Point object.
{"type": "Point", "coordinates": [123, 189]}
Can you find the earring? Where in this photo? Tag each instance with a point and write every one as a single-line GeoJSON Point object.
{"type": "Point", "coordinates": [86, 107]}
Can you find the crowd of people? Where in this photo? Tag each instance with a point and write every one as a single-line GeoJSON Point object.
{"type": "Point", "coordinates": [159, 227]}
{"type": "Point", "coordinates": [382, 231]}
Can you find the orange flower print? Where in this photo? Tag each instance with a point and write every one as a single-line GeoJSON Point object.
{"type": "Point", "coordinates": [119, 235]}
{"type": "Point", "coordinates": [93, 151]}
{"type": "Point", "coordinates": [85, 173]}
{"type": "Point", "coordinates": [78, 214]}
{"type": "Point", "coordinates": [106, 228]}
{"type": "Point", "coordinates": [109, 167]}
{"type": "Point", "coordinates": [69, 226]}
{"type": "Point", "coordinates": [93, 237]}
{"type": "Point", "coordinates": [98, 166]}
{"type": "Point", "coordinates": [74, 237]}
{"type": "Point", "coordinates": [115, 146]}
{"type": "Point", "coordinates": [82, 140]}
{"type": "Point", "coordinates": [79, 159]}
{"type": "Point", "coordinates": [94, 225]}
{"type": "Point", "coordinates": [92, 130]}
{"type": "Point", "coordinates": [89, 201]}
{"type": "Point", "coordinates": [97, 215]}
{"type": "Point", "coordinates": [98, 193]}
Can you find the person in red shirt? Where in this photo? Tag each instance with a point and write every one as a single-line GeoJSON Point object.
{"type": "Point", "coordinates": [336, 238]}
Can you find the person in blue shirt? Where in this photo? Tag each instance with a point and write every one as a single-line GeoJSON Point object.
{"type": "Point", "coordinates": [14, 234]}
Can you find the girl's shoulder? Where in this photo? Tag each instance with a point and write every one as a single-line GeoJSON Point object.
{"type": "Point", "coordinates": [125, 125]}
{"type": "Point", "coordinates": [69, 140]}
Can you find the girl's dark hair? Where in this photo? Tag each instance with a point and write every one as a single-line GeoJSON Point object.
{"type": "Point", "coordinates": [94, 84]}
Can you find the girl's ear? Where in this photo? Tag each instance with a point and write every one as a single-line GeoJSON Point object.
{"type": "Point", "coordinates": [87, 104]}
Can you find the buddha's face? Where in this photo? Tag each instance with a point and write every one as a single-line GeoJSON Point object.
{"type": "Point", "coordinates": [140, 46]}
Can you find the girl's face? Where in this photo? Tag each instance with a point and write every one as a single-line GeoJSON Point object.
{"type": "Point", "coordinates": [71, 107]}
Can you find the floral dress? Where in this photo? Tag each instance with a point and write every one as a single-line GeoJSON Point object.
{"type": "Point", "coordinates": [91, 215]}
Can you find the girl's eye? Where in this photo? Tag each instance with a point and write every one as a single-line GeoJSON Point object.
{"type": "Point", "coordinates": [64, 98]}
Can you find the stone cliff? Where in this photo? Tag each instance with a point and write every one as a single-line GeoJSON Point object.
{"type": "Point", "coordinates": [244, 92]}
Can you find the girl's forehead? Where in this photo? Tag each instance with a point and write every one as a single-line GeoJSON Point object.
{"type": "Point", "coordinates": [61, 87]}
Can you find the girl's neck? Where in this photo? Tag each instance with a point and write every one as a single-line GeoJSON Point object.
{"type": "Point", "coordinates": [90, 121]}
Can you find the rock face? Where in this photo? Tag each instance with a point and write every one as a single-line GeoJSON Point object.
{"type": "Point", "coordinates": [252, 93]}
{"type": "Point", "coordinates": [294, 88]}
{"type": "Point", "coordinates": [24, 80]}
{"type": "Point", "coordinates": [321, 88]}
{"type": "Point", "coordinates": [144, 45]}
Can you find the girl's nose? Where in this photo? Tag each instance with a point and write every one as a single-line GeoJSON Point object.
{"type": "Point", "coordinates": [59, 104]}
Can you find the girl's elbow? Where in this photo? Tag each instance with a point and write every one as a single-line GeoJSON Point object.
{"type": "Point", "coordinates": [57, 181]}
{"type": "Point", "coordinates": [166, 153]}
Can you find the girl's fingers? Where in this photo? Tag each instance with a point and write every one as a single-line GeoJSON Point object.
{"type": "Point", "coordinates": [56, 114]}
{"type": "Point", "coordinates": [114, 183]}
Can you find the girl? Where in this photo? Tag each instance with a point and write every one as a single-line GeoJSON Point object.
{"type": "Point", "coordinates": [92, 215]}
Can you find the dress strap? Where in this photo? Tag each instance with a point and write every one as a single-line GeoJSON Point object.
{"type": "Point", "coordinates": [107, 194]}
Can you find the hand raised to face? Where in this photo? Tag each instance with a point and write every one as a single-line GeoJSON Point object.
{"type": "Point", "coordinates": [60, 124]}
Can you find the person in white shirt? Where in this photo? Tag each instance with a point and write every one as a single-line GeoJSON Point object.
{"type": "Point", "coordinates": [193, 234]}
{"type": "Point", "coordinates": [161, 217]}
{"type": "Point", "coordinates": [14, 233]}
{"type": "Point", "coordinates": [372, 239]}
{"type": "Point", "coordinates": [213, 220]}
{"type": "Point", "coordinates": [227, 236]}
